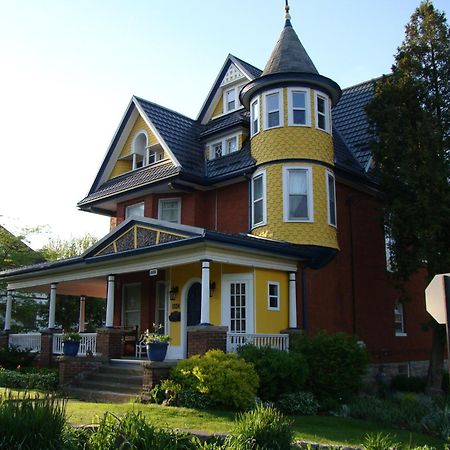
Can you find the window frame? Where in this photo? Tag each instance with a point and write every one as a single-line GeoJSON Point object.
{"type": "Point", "coordinates": [237, 102]}
{"type": "Point", "coordinates": [327, 114]}
{"type": "Point", "coordinates": [262, 174]}
{"type": "Point", "coordinates": [223, 142]}
{"type": "Point", "coordinates": [269, 307]}
{"type": "Point", "coordinates": [258, 118]}
{"type": "Point", "coordinates": [399, 309]}
{"type": "Point", "coordinates": [134, 205]}
{"type": "Point", "coordinates": [329, 175]}
{"type": "Point", "coordinates": [165, 284]}
{"type": "Point", "coordinates": [171, 199]}
{"type": "Point", "coordinates": [291, 108]}
{"type": "Point", "coordinates": [310, 193]}
{"type": "Point", "coordinates": [135, 153]}
{"type": "Point", "coordinates": [280, 109]}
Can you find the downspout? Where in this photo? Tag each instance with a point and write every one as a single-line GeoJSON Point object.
{"type": "Point", "coordinates": [352, 262]}
{"type": "Point", "coordinates": [304, 300]}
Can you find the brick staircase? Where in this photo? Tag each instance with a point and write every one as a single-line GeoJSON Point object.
{"type": "Point", "coordinates": [113, 382]}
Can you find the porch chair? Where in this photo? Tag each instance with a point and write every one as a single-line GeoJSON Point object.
{"type": "Point", "coordinates": [141, 347]}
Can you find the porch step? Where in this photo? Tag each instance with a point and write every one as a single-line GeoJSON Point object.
{"type": "Point", "coordinates": [113, 382]}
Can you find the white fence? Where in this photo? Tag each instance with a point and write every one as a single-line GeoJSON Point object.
{"type": "Point", "coordinates": [88, 344]}
{"type": "Point", "coordinates": [29, 341]}
{"type": "Point", "coordinates": [277, 341]}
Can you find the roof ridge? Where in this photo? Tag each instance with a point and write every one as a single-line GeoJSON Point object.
{"type": "Point", "coordinates": [164, 107]}
{"type": "Point", "coordinates": [242, 60]}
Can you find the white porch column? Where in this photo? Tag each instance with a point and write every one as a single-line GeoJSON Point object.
{"type": "Point", "coordinates": [110, 301]}
{"type": "Point", "coordinates": [9, 300]}
{"type": "Point", "coordinates": [204, 314]}
{"type": "Point", "coordinates": [292, 301]}
{"type": "Point", "coordinates": [82, 318]}
{"type": "Point", "coordinates": [52, 306]}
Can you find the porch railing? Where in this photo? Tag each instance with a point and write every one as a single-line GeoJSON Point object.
{"type": "Point", "coordinates": [277, 341]}
{"type": "Point", "coordinates": [29, 341]}
{"type": "Point", "coordinates": [88, 344]}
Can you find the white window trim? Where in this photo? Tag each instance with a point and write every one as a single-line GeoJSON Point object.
{"type": "Point", "coordinates": [258, 108]}
{"type": "Point", "coordinates": [171, 199]}
{"type": "Point", "coordinates": [280, 108]}
{"type": "Point", "coordinates": [223, 140]}
{"type": "Point", "coordinates": [264, 199]}
{"type": "Point", "coordinates": [133, 149]}
{"type": "Point", "coordinates": [166, 303]}
{"type": "Point", "coordinates": [400, 333]}
{"type": "Point", "coordinates": [327, 112]}
{"type": "Point", "coordinates": [307, 92]}
{"type": "Point", "coordinates": [328, 174]}
{"type": "Point", "coordinates": [309, 176]}
{"type": "Point", "coordinates": [278, 296]}
{"type": "Point", "coordinates": [238, 104]}
{"type": "Point", "coordinates": [133, 205]}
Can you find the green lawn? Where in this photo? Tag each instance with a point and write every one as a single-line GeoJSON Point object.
{"type": "Point", "coordinates": [322, 429]}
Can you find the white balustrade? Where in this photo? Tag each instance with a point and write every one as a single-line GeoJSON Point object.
{"type": "Point", "coordinates": [88, 344]}
{"type": "Point", "coordinates": [29, 341]}
{"type": "Point", "coordinates": [276, 341]}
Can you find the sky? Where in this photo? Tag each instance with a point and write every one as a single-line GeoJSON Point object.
{"type": "Point", "coordinates": [68, 69]}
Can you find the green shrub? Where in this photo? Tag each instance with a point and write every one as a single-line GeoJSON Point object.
{"type": "Point", "coordinates": [27, 423]}
{"type": "Point", "coordinates": [40, 379]}
{"type": "Point", "coordinates": [226, 379]}
{"type": "Point", "coordinates": [298, 403]}
{"type": "Point", "coordinates": [337, 364]}
{"type": "Point", "coordinates": [404, 383]}
{"type": "Point", "coordinates": [380, 441]}
{"type": "Point", "coordinates": [279, 372]}
{"type": "Point", "coordinates": [191, 398]}
{"type": "Point", "coordinates": [11, 358]}
{"type": "Point", "coordinates": [166, 392]}
{"type": "Point", "coordinates": [261, 428]}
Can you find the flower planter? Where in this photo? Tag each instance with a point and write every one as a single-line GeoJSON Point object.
{"type": "Point", "coordinates": [70, 348]}
{"type": "Point", "coordinates": [156, 351]}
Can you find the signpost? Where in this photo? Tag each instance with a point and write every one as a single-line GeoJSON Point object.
{"type": "Point", "coordinates": [437, 298]}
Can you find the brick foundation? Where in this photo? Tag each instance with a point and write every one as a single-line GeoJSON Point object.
{"type": "Point", "coordinates": [46, 354]}
{"type": "Point", "coordinates": [154, 372]}
{"type": "Point", "coordinates": [74, 367]}
{"type": "Point", "coordinates": [109, 343]}
{"type": "Point", "coordinates": [202, 338]}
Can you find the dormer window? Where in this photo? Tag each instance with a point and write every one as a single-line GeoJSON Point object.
{"type": "Point", "coordinates": [224, 146]}
{"type": "Point", "coordinates": [154, 155]}
{"type": "Point", "coordinates": [231, 99]}
{"type": "Point", "coordinates": [139, 150]}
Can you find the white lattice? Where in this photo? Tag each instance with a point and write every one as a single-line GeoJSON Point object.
{"type": "Point", "coordinates": [233, 74]}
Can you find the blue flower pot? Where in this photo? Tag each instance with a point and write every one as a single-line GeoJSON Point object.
{"type": "Point", "coordinates": [71, 348]}
{"type": "Point", "coordinates": [156, 351]}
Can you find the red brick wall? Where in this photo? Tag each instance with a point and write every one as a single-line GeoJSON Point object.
{"type": "Point", "coordinates": [70, 368]}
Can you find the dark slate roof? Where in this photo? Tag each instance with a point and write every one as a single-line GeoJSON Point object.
{"type": "Point", "coordinates": [289, 55]}
{"type": "Point", "coordinates": [224, 122]}
{"type": "Point", "coordinates": [252, 71]}
{"type": "Point", "coordinates": [233, 163]}
{"type": "Point", "coordinates": [350, 119]}
{"type": "Point", "coordinates": [131, 180]}
{"type": "Point", "coordinates": [343, 157]}
{"type": "Point", "coordinates": [179, 132]}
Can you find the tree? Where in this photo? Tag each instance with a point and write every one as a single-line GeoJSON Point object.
{"type": "Point", "coordinates": [410, 116]}
{"type": "Point", "coordinates": [58, 248]}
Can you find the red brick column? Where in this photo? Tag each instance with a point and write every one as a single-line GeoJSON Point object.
{"type": "Point", "coordinates": [46, 354]}
{"type": "Point", "coordinates": [154, 372]}
{"type": "Point", "coordinates": [202, 338]}
{"type": "Point", "coordinates": [4, 339]}
{"type": "Point", "coordinates": [109, 343]}
{"type": "Point", "coordinates": [71, 367]}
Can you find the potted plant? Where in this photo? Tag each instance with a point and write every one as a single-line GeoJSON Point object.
{"type": "Point", "coordinates": [157, 343]}
{"type": "Point", "coordinates": [71, 343]}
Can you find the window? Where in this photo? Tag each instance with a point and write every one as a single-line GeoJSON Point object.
{"type": "Point", "coordinates": [139, 150]}
{"type": "Point", "coordinates": [131, 305]}
{"type": "Point", "coordinates": [322, 112]}
{"type": "Point", "coordinates": [299, 102]}
{"type": "Point", "coordinates": [238, 299]}
{"type": "Point", "coordinates": [231, 99]}
{"type": "Point", "coordinates": [136, 210]}
{"type": "Point", "coordinates": [217, 150]}
{"type": "Point", "coordinates": [161, 306]}
{"type": "Point", "coordinates": [231, 145]}
{"type": "Point", "coordinates": [154, 156]}
{"type": "Point", "coordinates": [223, 147]}
{"type": "Point", "coordinates": [254, 117]}
{"type": "Point", "coordinates": [169, 209]}
{"type": "Point", "coordinates": [259, 199]}
{"type": "Point", "coordinates": [273, 115]}
{"type": "Point", "coordinates": [273, 296]}
{"type": "Point", "coordinates": [331, 197]}
{"type": "Point", "coordinates": [399, 319]}
{"type": "Point", "coordinates": [297, 194]}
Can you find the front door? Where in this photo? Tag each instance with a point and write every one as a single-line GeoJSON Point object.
{"type": "Point", "coordinates": [194, 303]}
{"type": "Point", "coordinates": [131, 305]}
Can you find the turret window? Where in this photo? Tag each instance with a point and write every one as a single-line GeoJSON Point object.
{"type": "Point", "coordinates": [259, 199]}
{"type": "Point", "coordinates": [322, 105]}
{"type": "Point", "coordinates": [254, 116]}
{"type": "Point", "coordinates": [273, 109]}
{"type": "Point", "coordinates": [299, 110]}
{"type": "Point", "coordinates": [297, 194]}
{"type": "Point", "coordinates": [331, 196]}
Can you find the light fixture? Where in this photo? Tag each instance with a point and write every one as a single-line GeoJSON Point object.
{"type": "Point", "coordinates": [173, 293]}
{"type": "Point", "coordinates": [212, 287]}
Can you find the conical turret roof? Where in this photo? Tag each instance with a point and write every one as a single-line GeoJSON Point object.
{"type": "Point", "coordinates": [289, 55]}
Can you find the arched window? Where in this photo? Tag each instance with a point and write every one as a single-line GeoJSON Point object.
{"type": "Point", "coordinates": [139, 150]}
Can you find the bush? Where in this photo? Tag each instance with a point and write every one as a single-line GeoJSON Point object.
{"type": "Point", "coordinates": [191, 398]}
{"type": "Point", "coordinates": [337, 364]}
{"type": "Point", "coordinates": [41, 379]}
{"type": "Point", "coordinates": [298, 403]}
{"type": "Point", "coordinates": [10, 358]}
{"type": "Point", "coordinates": [404, 383]}
{"type": "Point", "coordinates": [261, 428]}
{"type": "Point", "coordinates": [380, 441]}
{"type": "Point", "coordinates": [226, 379]}
{"type": "Point", "coordinates": [279, 372]}
{"type": "Point", "coordinates": [166, 392]}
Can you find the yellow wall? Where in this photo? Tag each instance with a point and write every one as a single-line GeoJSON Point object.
{"type": "Point", "coordinates": [219, 108]}
{"type": "Point", "coordinates": [266, 320]}
{"type": "Point", "coordinates": [123, 166]}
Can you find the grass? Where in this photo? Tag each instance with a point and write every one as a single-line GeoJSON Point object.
{"type": "Point", "coordinates": [321, 429]}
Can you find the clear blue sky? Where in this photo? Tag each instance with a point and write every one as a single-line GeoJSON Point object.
{"type": "Point", "coordinates": [69, 69]}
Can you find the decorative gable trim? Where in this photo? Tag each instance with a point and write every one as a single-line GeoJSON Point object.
{"type": "Point", "coordinates": [233, 74]}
